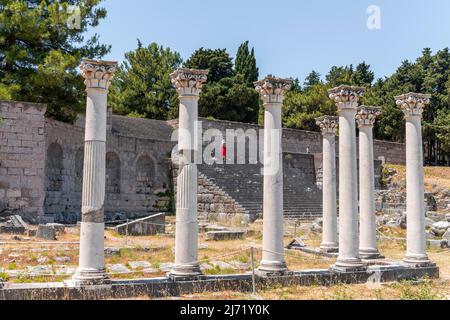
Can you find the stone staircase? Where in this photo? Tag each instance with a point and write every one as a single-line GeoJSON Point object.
{"type": "Point", "coordinates": [244, 184]}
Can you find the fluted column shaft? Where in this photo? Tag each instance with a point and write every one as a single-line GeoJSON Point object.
{"type": "Point", "coordinates": [330, 241]}
{"type": "Point", "coordinates": [272, 92]}
{"type": "Point", "coordinates": [273, 233]}
{"type": "Point", "coordinates": [91, 268]}
{"type": "Point", "coordinates": [188, 83]}
{"type": "Point", "coordinates": [412, 105]}
{"type": "Point", "coordinates": [365, 118]}
{"type": "Point", "coordinates": [346, 99]}
{"type": "Point", "coordinates": [416, 247]}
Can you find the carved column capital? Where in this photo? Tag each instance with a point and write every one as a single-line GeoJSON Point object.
{"type": "Point", "coordinates": [97, 73]}
{"type": "Point", "coordinates": [412, 104]}
{"type": "Point", "coordinates": [367, 115]}
{"type": "Point", "coordinates": [346, 97]}
{"type": "Point", "coordinates": [272, 89]}
{"type": "Point", "coordinates": [189, 82]}
{"type": "Point", "coordinates": [328, 124]}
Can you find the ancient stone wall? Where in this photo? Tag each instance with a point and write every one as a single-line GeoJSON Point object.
{"type": "Point", "coordinates": [22, 159]}
{"type": "Point", "coordinates": [41, 162]}
{"type": "Point", "coordinates": [298, 141]}
{"type": "Point", "coordinates": [137, 173]}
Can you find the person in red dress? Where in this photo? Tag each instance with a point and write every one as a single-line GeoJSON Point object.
{"type": "Point", "coordinates": [224, 151]}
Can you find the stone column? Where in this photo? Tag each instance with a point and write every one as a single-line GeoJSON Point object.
{"type": "Point", "coordinates": [188, 83]}
{"type": "Point", "coordinates": [346, 99]}
{"type": "Point", "coordinates": [412, 105]}
{"type": "Point", "coordinates": [91, 270]}
{"type": "Point", "coordinates": [328, 126]}
{"type": "Point", "coordinates": [272, 92]}
{"type": "Point", "coordinates": [365, 118]}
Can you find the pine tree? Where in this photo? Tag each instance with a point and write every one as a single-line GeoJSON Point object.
{"type": "Point", "coordinates": [41, 46]}
{"type": "Point", "coordinates": [245, 64]}
{"type": "Point", "coordinates": [142, 85]}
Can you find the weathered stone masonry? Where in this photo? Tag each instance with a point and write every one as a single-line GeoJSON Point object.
{"type": "Point", "coordinates": [41, 163]}
{"type": "Point", "coordinates": [22, 158]}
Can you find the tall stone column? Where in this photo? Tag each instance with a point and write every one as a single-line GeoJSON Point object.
{"type": "Point", "coordinates": [346, 99]}
{"type": "Point", "coordinates": [188, 83]}
{"type": "Point", "coordinates": [365, 118]}
{"type": "Point", "coordinates": [91, 270]}
{"type": "Point", "coordinates": [330, 241]}
{"type": "Point", "coordinates": [272, 92]}
{"type": "Point", "coordinates": [412, 105]}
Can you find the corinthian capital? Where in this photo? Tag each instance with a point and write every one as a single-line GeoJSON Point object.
{"type": "Point", "coordinates": [412, 103]}
{"type": "Point", "coordinates": [97, 74]}
{"type": "Point", "coordinates": [189, 82]}
{"type": "Point", "coordinates": [366, 115]}
{"type": "Point", "coordinates": [272, 89]}
{"type": "Point", "coordinates": [328, 124]}
{"type": "Point", "coordinates": [346, 97]}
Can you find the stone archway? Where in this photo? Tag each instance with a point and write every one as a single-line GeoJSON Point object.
{"type": "Point", "coordinates": [145, 168]}
{"type": "Point", "coordinates": [112, 173]}
{"type": "Point", "coordinates": [78, 171]}
{"type": "Point", "coordinates": [54, 167]}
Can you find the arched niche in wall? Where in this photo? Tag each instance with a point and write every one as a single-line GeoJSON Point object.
{"type": "Point", "coordinates": [54, 167]}
{"type": "Point", "coordinates": [78, 172]}
{"type": "Point", "coordinates": [145, 170]}
{"type": "Point", "coordinates": [112, 173]}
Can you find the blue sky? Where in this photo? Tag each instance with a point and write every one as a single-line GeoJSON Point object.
{"type": "Point", "coordinates": [291, 37]}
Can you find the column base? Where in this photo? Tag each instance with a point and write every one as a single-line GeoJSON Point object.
{"type": "Point", "coordinates": [272, 268]}
{"type": "Point", "coordinates": [185, 272]}
{"type": "Point", "coordinates": [348, 265]}
{"type": "Point", "coordinates": [418, 261]}
{"type": "Point", "coordinates": [329, 248]}
{"type": "Point", "coordinates": [370, 254]}
{"type": "Point", "coordinates": [89, 277]}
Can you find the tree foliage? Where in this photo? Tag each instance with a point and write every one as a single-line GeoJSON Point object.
{"type": "Point", "coordinates": [142, 85]}
{"type": "Point", "coordinates": [41, 46]}
{"type": "Point", "coordinates": [245, 64]}
{"type": "Point", "coordinates": [229, 93]}
{"type": "Point", "coordinates": [218, 62]}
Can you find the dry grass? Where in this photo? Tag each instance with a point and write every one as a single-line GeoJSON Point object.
{"type": "Point", "coordinates": [435, 177]}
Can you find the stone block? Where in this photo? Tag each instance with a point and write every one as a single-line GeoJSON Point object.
{"type": "Point", "coordinates": [46, 232]}
{"type": "Point", "coordinates": [60, 228]}
{"type": "Point", "coordinates": [224, 235]}
{"type": "Point", "coordinates": [152, 225]}
{"type": "Point", "coordinates": [13, 193]}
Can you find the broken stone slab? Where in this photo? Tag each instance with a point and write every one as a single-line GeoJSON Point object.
{"type": "Point", "coordinates": [112, 251]}
{"type": "Point", "coordinates": [166, 267]}
{"type": "Point", "coordinates": [40, 270]}
{"type": "Point", "coordinates": [439, 228]}
{"type": "Point", "coordinates": [148, 226]}
{"type": "Point", "coordinates": [14, 225]}
{"type": "Point", "coordinates": [213, 228]}
{"type": "Point", "coordinates": [240, 265]}
{"type": "Point", "coordinates": [446, 235]}
{"type": "Point", "coordinates": [150, 270]}
{"type": "Point", "coordinates": [46, 232]}
{"type": "Point", "coordinates": [438, 244]}
{"type": "Point", "coordinates": [118, 268]}
{"type": "Point", "coordinates": [135, 265]}
{"type": "Point", "coordinates": [222, 265]}
{"type": "Point", "coordinates": [206, 267]}
{"type": "Point", "coordinates": [225, 235]}
{"type": "Point", "coordinates": [62, 259]}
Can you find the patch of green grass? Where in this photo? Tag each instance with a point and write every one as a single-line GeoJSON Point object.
{"type": "Point", "coordinates": [341, 293]}
{"type": "Point", "coordinates": [4, 276]}
{"type": "Point", "coordinates": [424, 290]}
{"type": "Point", "coordinates": [244, 258]}
{"type": "Point", "coordinates": [12, 266]}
